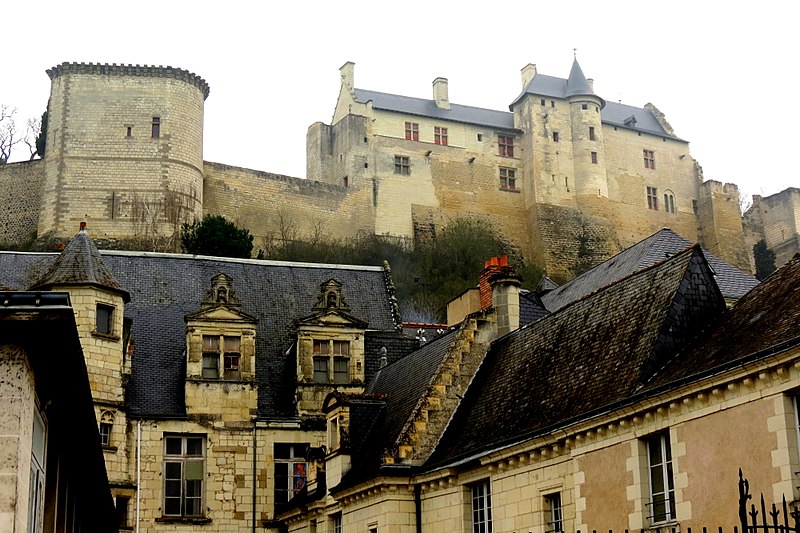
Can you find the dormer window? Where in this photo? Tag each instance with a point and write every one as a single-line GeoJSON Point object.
{"type": "Point", "coordinates": [221, 352]}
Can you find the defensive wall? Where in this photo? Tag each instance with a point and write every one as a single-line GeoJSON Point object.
{"type": "Point", "coordinates": [776, 220]}
{"type": "Point", "coordinates": [20, 200]}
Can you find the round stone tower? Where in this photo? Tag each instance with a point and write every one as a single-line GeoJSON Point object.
{"type": "Point", "coordinates": [124, 151]}
{"type": "Point", "coordinates": [587, 138]}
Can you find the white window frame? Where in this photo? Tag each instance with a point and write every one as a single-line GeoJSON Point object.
{"type": "Point", "coordinates": [184, 458]}
{"type": "Point", "coordinates": [555, 513]}
{"type": "Point", "coordinates": [297, 456]}
{"type": "Point", "coordinates": [664, 469]}
{"type": "Point", "coordinates": [481, 506]}
{"type": "Point", "coordinates": [37, 479]}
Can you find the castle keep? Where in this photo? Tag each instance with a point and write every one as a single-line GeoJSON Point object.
{"type": "Point", "coordinates": [562, 172]}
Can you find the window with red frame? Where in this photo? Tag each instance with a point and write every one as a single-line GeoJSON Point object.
{"type": "Point", "coordinates": [412, 131]}
{"type": "Point", "coordinates": [505, 145]}
{"type": "Point", "coordinates": [508, 178]}
{"type": "Point", "coordinates": [649, 159]}
{"type": "Point", "coordinates": [440, 135]}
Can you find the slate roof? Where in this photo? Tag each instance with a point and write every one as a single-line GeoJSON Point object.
{"type": "Point", "coordinates": [165, 287]}
{"type": "Point", "coordinates": [428, 108]}
{"type": "Point", "coordinates": [583, 358]}
{"type": "Point", "coordinates": [763, 321]}
{"type": "Point", "coordinates": [80, 264]}
{"type": "Point", "coordinates": [530, 307]}
{"type": "Point", "coordinates": [733, 283]}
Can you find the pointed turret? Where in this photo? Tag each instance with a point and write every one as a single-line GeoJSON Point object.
{"type": "Point", "coordinates": [577, 83]}
{"type": "Point", "coordinates": [80, 264]}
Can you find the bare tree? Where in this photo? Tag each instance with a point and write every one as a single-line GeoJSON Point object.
{"type": "Point", "coordinates": [33, 132]}
{"type": "Point", "coordinates": [8, 133]}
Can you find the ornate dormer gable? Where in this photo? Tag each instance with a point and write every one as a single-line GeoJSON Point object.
{"type": "Point", "coordinates": [330, 349]}
{"type": "Point", "coordinates": [221, 292]}
{"type": "Point", "coordinates": [220, 337]}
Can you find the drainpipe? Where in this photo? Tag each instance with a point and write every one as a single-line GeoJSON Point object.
{"type": "Point", "coordinates": [138, 471]}
{"type": "Point", "coordinates": [418, 506]}
{"type": "Point", "coordinates": [254, 474]}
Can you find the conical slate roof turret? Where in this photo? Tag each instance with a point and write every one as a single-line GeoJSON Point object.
{"type": "Point", "coordinates": [576, 83]}
{"type": "Point", "coordinates": [80, 264]}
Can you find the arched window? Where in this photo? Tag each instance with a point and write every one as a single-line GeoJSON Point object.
{"type": "Point", "coordinates": [106, 425]}
{"type": "Point", "coordinates": [669, 202]}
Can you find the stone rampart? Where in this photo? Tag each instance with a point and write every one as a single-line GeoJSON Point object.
{"type": "Point", "coordinates": [20, 198]}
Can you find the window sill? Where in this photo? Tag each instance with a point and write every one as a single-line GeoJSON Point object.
{"type": "Point", "coordinates": [109, 448]}
{"type": "Point", "coordinates": [107, 336]}
{"type": "Point", "coordinates": [507, 189]}
{"type": "Point", "coordinates": [197, 520]}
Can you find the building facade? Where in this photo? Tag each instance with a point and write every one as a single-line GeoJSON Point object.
{"type": "Point", "coordinates": [776, 220]}
{"type": "Point", "coordinates": [560, 168]}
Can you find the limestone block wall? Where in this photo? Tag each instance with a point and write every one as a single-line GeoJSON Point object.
{"type": "Point", "coordinates": [106, 164]}
{"type": "Point", "coordinates": [20, 197]}
{"type": "Point", "coordinates": [776, 219]}
{"type": "Point", "coordinates": [262, 202]}
{"type": "Point", "coordinates": [720, 223]}
{"type": "Point", "coordinates": [17, 396]}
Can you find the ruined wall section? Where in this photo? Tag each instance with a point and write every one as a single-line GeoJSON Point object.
{"type": "Point", "coordinates": [266, 203]}
{"type": "Point", "coordinates": [720, 224]}
{"type": "Point", "coordinates": [124, 149]}
{"type": "Point", "coordinates": [776, 219]}
{"type": "Point", "coordinates": [20, 199]}
{"type": "Point", "coordinates": [340, 154]}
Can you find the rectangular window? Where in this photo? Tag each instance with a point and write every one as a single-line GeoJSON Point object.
{"type": "Point", "coordinates": [480, 137]}
{"type": "Point", "coordinates": [542, 101]}
{"type": "Point", "coordinates": [412, 131]}
{"type": "Point", "coordinates": [591, 133]}
{"type": "Point", "coordinates": [221, 352]}
{"type": "Point", "coordinates": [128, 131]}
{"type": "Point", "coordinates": [669, 203]}
{"type": "Point", "coordinates": [481, 508]}
{"type": "Point", "coordinates": [104, 319]}
{"type": "Point", "coordinates": [508, 178]}
{"type": "Point", "coordinates": [335, 354]}
{"type": "Point", "coordinates": [555, 136]}
{"type": "Point", "coordinates": [290, 472]}
{"type": "Point", "coordinates": [184, 471]}
{"type": "Point", "coordinates": [401, 165]}
{"type": "Point", "coordinates": [336, 520]}
{"type": "Point", "coordinates": [105, 433]}
{"type": "Point", "coordinates": [505, 144]}
{"type": "Point", "coordinates": [341, 370]}
{"type": "Point", "coordinates": [122, 510]}
{"type": "Point", "coordinates": [662, 489]}
{"type": "Point", "coordinates": [555, 515]}
{"type": "Point", "coordinates": [321, 370]}
{"type": "Point", "coordinates": [584, 106]}
{"type": "Point", "coordinates": [694, 207]}
{"type": "Point", "coordinates": [649, 159]}
{"type": "Point", "coordinates": [36, 482]}
{"type": "Point", "coordinates": [594, 158]}
{"type": "Point", "coordinates": [156, 128]}
{"type": "Point", "coordinates": [652, 198]}
{"type": "Point", "coordinates": [440, 135]}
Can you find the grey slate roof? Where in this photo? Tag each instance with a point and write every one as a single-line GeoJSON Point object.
{"type": "Point", "coordinates": [80, 264]}
{"type": "Point", "coordinates": [583, 358]}
{"type": "Point", "coordinates": [733, 283]}
{"type": "Point", "coordinates": [531, 307]}
{"type": "Point", "coordinates": [165, 287]}
{"type": "Point", "coordinates": [428, 108]}
{"type": "Point", "coordinates": [616, 114]}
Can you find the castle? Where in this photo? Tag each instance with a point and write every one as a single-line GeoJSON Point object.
{"type": "Point", "coordinates": [563, 173]}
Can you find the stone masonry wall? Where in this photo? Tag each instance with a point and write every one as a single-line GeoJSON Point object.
{"type": "Point", "coordinates": [776, 219]}
{"type": "Point", "coordinates": [20, 197]}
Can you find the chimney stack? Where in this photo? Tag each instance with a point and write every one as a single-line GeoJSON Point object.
{"type": "Point", "coordinates": [499, 288]}
{"type": "Point", "coordinates": [347, 72]}
{"type": "Point", "coordinates": [528, 72]}
{"type": "Point", "coordinates": [440, 95]}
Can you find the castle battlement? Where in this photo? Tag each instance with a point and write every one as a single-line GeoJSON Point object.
{"type": "Point", "coordinates": [146, 71]}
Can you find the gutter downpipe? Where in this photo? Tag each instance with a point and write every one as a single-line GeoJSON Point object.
{"type": "Point", "coordinates": [138, 471]}
{"type": "Point", "coordinates": [418, 506]}
{"type": "Point", "coordinates": [255, 442]}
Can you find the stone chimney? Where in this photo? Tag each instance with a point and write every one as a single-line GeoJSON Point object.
{"type": "Point", "coordinates": [440, 95]}
{"type": "Point", "coordinates": [499, 288]}
{"type": "Point", "coordinates": [590, 83]}
{"type": "Point", "coordinates": [347, 72]}
{"type": "Point", "coordinates": [528, 72]}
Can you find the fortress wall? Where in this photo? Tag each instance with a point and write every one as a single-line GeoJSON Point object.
{"type": "Point", "coordinates": [259, 201]}
{"type": "Point", "coordinates": [721, 224]}
{"type": "Point", "coordinates": [776, 219]}
{"type": "Point", "coordinates": [20, 197]}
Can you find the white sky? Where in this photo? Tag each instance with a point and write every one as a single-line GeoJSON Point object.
{"type": "Point", "coordinates": [723, 73]}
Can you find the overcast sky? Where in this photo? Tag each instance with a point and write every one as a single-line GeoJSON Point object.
{"type": "Point", "coordinates": [724, 74]}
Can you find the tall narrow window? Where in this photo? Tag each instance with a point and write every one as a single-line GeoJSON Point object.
{"type": "Point", "coordinates": [341, 362]}
{"type": "Point", "coordinates": [505, 145]}
{"type": "Point", "coordinates": [290, 472]}
{"type": "Point", "coordinates": [591, 134]}
{"type": "Point", "coordinates": [594, 158]}
{"type": "Point", "coordinates": [106, 427]}
{"type": "Point", "coordinates": [662, 488]}
{"type": "Point", "coordinates": [104, 316]}
{"type": "Point", "coordinates": [669, 202]}
{"type": "Point", "coordinates": [481, 507]}
{"type": "Point", "coordinates": [412, 131]}
{"type": "Point", "coordinates": [128, 131]}
{"type": "Point", "coordinates": [122, 503]}
{"type": "Point", "coordinates": [649, 159]}
{"type": "Point", "coordinates": [555, 136]}
{"type": "Point", "coordinates": [184, 468]}
{"type": "Point", "coordinates": [440, 135]}
{"type": "Point", "coordinates": [156, 127]}
{"type": "Point", "coordinates": [555, 515]}
{"type": "Point", "coordinates": [336, 519]}
{"type": "Point", "coordinates": [231, 358]}
{"type": "Point", "coordinates": [36, 482]}
{"type": "Point", "coordinates": [652, 198]}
